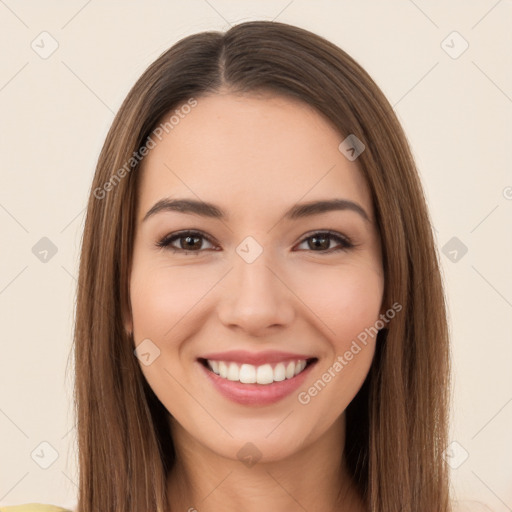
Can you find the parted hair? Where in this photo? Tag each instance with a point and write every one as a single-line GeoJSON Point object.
{"type": "Point", "coordinates": [396, 427]}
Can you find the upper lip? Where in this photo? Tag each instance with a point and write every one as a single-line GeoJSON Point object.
{"type": "Point", "coordinates": [255, 358]}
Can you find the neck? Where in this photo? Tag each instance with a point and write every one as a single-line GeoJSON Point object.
{"type": "Point", "coordinates": [313, 478]}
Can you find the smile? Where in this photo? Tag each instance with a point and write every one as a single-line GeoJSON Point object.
{"type": "Point", "coordinates": [262, 383]}
{"type": "Point", "coordinates": [263, 374]}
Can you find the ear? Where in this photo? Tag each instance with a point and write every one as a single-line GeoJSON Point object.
{"type": "Point", "coordinates": [128, 327]}
{"type": "Point", "coordinates": [126, 314]}
{"type": "Point", "coordinates": [126, 305]}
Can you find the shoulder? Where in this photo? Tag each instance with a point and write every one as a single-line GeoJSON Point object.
{"type": "Point", "coordinates": [33, 507]}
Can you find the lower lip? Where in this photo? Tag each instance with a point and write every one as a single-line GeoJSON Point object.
{"type": "Point", "coordinates": [256, 394]}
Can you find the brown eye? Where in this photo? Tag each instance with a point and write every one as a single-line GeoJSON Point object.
{"type": "Point", "coordinates": [321, 242]}
{"type": "Point", "coordinates": [188, 241]}
{"type": "Point", "coordinates": [192, 242]}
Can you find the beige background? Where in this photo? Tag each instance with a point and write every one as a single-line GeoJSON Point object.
{"type": "Point", "coordinates": [456, 109]}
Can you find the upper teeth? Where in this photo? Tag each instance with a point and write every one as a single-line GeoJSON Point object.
{"type": "Point", "coordinates": [249, 374]}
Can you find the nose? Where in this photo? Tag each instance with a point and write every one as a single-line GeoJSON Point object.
{"type": "Point", "coordinates": [256, 298]}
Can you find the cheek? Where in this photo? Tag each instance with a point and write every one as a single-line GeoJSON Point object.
{"type": "Point", "coordinates": [348, 303]}
{"type": "Point", "coordinates": [161, 297]}
{"type": "Point", "coordinates": [346, 300]}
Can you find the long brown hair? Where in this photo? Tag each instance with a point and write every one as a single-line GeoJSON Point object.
{"type": "Point", "coordinates": [397, 423]}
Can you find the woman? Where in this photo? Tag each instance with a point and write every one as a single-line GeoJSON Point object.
{"type": "Point", "coordinates": [260, 318]}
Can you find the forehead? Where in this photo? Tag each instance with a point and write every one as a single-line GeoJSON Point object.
{"type": "Point", "coordinates": [250, 152]}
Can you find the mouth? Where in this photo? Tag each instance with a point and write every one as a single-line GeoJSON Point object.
{"type": "Point", "coordinates": [263, 374]}
{"type": "Point", "coordinates": [265, 384]}
{"type": "Point", "coordinates": [255, 378]}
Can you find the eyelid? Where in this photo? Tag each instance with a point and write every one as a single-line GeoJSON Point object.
{"type": "Point", "coordinates": [165, 242]}
{"type": "Point", "coordinates": [346, 241]}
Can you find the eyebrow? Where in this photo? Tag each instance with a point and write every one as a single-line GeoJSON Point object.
{"type": "Point", "coordinates": [297, 211]}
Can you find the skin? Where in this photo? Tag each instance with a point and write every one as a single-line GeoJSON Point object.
{"type": "Point", "coordinates": [255, 156]}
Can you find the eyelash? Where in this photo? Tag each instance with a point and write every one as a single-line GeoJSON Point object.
{"type": "Point", "coordinates": [165, 243]}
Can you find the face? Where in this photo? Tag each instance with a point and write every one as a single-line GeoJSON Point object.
{"type": "Point", "coordinates": [252, 307]}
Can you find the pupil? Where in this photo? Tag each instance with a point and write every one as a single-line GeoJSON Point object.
{"type": "Point", "coordinates": [324, 239]}
{"type": "Point", "coordinates": [188, 241]}
{"type": "Point", "coordinates": [318, 242]}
